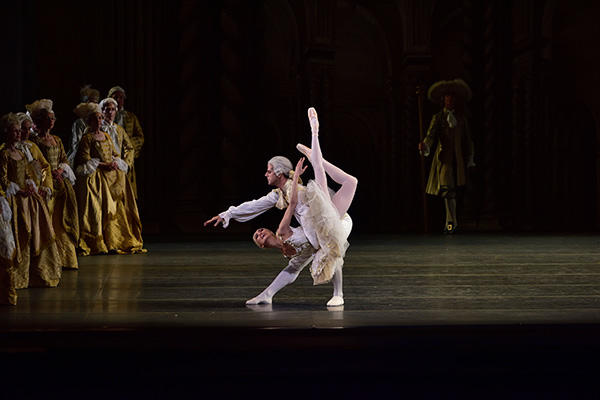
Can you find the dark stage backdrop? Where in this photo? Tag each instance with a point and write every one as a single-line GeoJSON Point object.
{"type": "Point", "coordinates": [221, 86]}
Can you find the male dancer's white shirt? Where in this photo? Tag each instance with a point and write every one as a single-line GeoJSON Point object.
{"type": "Point", "coordinates": [251, 209]}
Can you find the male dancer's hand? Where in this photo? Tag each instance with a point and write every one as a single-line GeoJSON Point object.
{"type": "Point", "coordinates": [216, 219]}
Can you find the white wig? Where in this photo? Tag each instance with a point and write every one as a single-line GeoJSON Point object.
{"type": "Point", "coordinates": [84, 110]}
{"type": "Point", "coordinates": [108, 100]}
{"type": "Point", "coordinates": [281, 165]}
{"type": "Point", "coordinates": [24, 117]}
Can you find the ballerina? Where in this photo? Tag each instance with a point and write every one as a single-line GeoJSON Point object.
{"type": "Point", "coordinates": [325, 219]}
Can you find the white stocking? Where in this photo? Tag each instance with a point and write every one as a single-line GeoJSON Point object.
{"type": "Point", "coordinates": [266, 296]}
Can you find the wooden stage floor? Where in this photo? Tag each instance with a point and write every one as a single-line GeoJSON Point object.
{"type": "Point", "coordinates": [447, 308]}
{"type": "Point", "coordinates": [388, 281]}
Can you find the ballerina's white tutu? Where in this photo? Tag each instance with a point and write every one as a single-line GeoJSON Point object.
{"type": "Point", "coordinates": [332, 232]}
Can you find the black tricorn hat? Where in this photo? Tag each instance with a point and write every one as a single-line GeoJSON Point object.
{"type": "Point", "coordinates": [457, 87]}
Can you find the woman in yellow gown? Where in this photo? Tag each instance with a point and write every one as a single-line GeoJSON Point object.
{"type": "Point", "coordinates": [8, 293]}
{"type": "Point", "coordinates": [36, 262]}
{"type": "Point", "coordinates": [108, 215]}
{"type": "Point", "coordinates": [63, 204]}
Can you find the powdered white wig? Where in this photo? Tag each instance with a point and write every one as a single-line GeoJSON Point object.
{"type": "Point", "coordinates": [7, 121]}
{"type": "Point", "coordinates": [281, 165]}
{"type": "Point", "coordinates": [23, 117]}
{"type": "Point", "coordinates": [108, 100]}
{"type": "Point", "coordinates": [84, 110]}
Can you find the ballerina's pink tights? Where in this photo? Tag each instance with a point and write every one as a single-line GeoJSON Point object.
{"type": "Point", "coordinates": [344, 196]}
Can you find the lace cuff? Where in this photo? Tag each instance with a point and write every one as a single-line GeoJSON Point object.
{"type": "Point", "coordinates": [88, 168]}
{"type": "Point", "coordinates": [226, 215]}
{"type": "Point", "coordinates": [122, 165]}
{"type": "Point", "coordinates": [12, 189]}
{"type": "Point", "coordinates": [31, 183]}
{"type": "Point", "coordinates": [67, 172]}
{"type": "Point", "coordinates": [48, 191]}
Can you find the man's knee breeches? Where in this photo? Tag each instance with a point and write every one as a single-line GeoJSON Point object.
{"type": "Point", "coordinates": [448, 192]}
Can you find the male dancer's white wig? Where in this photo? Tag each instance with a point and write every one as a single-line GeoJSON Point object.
{"type": "Point", "coordinates": [281, 165]}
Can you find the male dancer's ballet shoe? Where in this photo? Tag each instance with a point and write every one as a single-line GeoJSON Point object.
{"type": "Point", "coordinates": [335, 301]}
{"type": "Point", "coordinates": [307, 151]}
{"type": "Point", "coordinates": [258, 300]}
{"type": "Point", "coordinates": [260, 307]}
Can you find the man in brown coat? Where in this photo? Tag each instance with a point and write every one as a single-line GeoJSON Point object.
{"type": "Point", "coordinates": [454, 151]}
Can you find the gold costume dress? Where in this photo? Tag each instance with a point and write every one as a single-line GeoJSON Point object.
{"type": "Point", "coordinates": [130, 122]}
{"type": "Point", "coordinates": [8, 293]}
{"type": "Point", "coordinates": [63, 204]}
{"type": "Point", "coordinates": [36, 259]}
{"type": "Point", "coordinates": [108, 214]}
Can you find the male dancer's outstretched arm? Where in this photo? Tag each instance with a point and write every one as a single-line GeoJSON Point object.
{"type": "Point", "coordinates": [278, 169]}
{"type": "Point", "coordinates": [245, 211]}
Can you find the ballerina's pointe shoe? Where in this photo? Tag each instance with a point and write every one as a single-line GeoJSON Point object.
{"type": "Point", "coordinates": [304, 150]}
{"type": "Point", "coordinates": [258, 300]}
{"type": "Point", "coordinates": [314, 120]}
{"type": "Point", "coordinates": [335, 301]}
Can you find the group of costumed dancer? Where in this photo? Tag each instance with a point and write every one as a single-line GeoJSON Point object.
{"type": "Point", "coordinates": [324, 222]}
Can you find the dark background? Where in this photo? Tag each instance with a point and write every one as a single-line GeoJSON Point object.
{"type": "Point", "coordinates": [222, 86]}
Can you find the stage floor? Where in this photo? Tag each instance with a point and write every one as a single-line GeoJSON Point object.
{"type": "Point", "coordinates": [471, 315]}
{"type": "Point", "coordinates": [389, 281]}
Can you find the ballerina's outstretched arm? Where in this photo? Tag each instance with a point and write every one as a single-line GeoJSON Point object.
{"type": "Point", "coordinates": [342, 199]}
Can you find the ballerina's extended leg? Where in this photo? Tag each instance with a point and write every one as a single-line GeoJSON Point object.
{"type": "Point", "coordinates": [342, 199]}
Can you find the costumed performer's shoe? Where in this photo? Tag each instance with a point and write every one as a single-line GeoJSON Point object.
{"type": "Point", "coordinates": [259, 300]}
{"type": "Point", "coordinates": [450, 228]}
{"type": "Point", "coordinates": [335, 301]}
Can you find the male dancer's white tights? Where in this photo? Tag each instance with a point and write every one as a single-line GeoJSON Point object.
{"type": "Point", "coordinates": [288, 276]}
